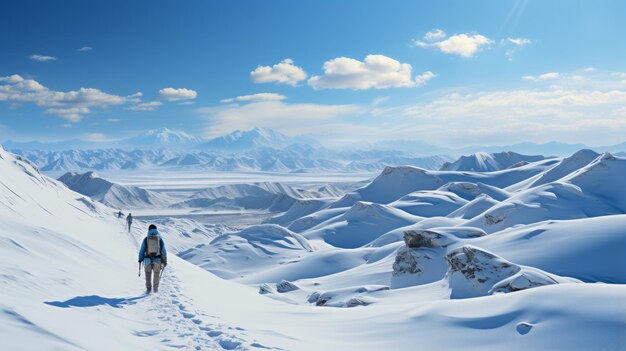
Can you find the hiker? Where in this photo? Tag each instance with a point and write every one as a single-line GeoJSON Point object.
{"type": "Point", "coordinates": [129, 220]}
{"type": "Point", "coordinates": [154, 257]}
{"type": "Point", "coordinates": [119, 214]}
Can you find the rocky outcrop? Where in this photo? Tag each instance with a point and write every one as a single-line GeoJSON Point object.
{"type": "Point", "coordinates": [475, 272]}
{"type": "Point", "coordinates": [266, 289]}
{"type": "Point", "coordinates": [286, 286]}
{"type": "Point", "coordinates": [425, 238]}
{"type": "Point", "coordinates": [346, 297]}
{"type": "Point", "coordinates": [283, 286]}
{"type": "Point", "coordinates": [420, 261]}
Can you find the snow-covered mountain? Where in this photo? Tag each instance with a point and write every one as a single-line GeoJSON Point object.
{"type": "Point", "coordinates": [245, 140]}
{"type": "Point", "coordinates": [162, 138]}
{"type": "Point", "coordinates": [112, 194]}
{"type": "Point", "coordinates": [486, 162]}
{"type": "Point", "coordinates": [291, 159]}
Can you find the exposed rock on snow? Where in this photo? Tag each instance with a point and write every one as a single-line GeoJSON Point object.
{"type": "Point", "coordinates": [473, 272]}
{"type": "Point", "coordinates": [286, 286]}
{"type": "Point", "coordinates": [345, 297]}
{"type": "Point", "coordinates": [425, 238]}
{"type": "Point", "coordinates": [420, 260]}
{"type": "Point", "coordinates": [266, 289]}
{"type": "Point", "coordinates": [354, 302]}
{"type": "Point", "coordinates": [476, 272]}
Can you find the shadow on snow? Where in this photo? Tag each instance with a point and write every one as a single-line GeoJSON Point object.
{"type": "Point", "coordinates": [95, 300]}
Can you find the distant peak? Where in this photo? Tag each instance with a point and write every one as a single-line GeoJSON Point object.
{"type": "Point", "coordinates": [585, 152]}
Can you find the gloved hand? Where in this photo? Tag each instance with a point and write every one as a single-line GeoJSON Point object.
{"type": "Point", "coordinates": [164, 261]}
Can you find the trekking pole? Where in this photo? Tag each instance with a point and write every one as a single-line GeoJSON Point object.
{"type": "Point", "coordinates": [139, 274]}
{"type": "Point", "coordinates": [161, 274]}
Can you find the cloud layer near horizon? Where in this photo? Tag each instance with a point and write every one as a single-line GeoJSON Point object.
{"type": "Point", "coordinates": [585, 105]}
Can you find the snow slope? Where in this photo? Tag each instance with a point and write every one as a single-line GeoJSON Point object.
{"type": "Point", "coordinates": [395, 182]}
{"type": "Point", "coordinates": [112, 194]}
{"type": "Point", "coordinates": [329, 286]}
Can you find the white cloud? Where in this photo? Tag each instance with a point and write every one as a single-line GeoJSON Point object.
{"type": "Point", "coordinates": [510, 116]}
{"type": "Point", "coordinates": [72, 114]}
{"type": "Point", "coordinates": [12, 79]}
{"type": "Point", "coordinates": [146, 106]}
{"type": "Point", "coordinates": [519, 41]}
{"type": "Point", "coordinates": [424, 77]}
{"type": "Point", "coordinates": [293, 119]}
{"type": "Point", "coordinates": [375, 71]}
{"type": "Point", "coordinates": [256, 97]}
{"type": "Point", "coordinates": [71, 105]}
{"type": "Point", "coordinates": [435, 35]}
{"type": "Point", "coordinates": [545, 76]}
{"type": "Point", "coordinates": [84, 49]}
{"type": "Point", "coordinates": [284, 72]}
{"type": "Point", "coordinates": [42, 58]}
{"type": "Point", "coordinates": [465, 45]}
{"type": "Point", "coordinates": [113, 120]}
{"type": "Point", "coordinates": [172, 94]}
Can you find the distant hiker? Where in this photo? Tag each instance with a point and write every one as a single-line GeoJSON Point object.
{"type": "Point", "coordinates": [153, 255]}
{"type": "Point", "coordinates": [129, 220]}
{"type": "Point", "coordinates": [119, 214]}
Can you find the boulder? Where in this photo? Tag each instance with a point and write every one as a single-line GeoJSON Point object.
{"type": "Point", "coordinates": [286, 286]}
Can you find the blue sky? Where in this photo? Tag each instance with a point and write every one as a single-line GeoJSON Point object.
{"type": "Point", "coordinates": [450, 73]}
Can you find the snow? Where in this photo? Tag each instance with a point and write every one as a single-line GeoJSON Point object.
{"type": "Point", "coordinates": [486, 162]}
{"type": "Point", "coordinates": [530, 257]}
{"type": "Point", "coordinates": [111, 194]}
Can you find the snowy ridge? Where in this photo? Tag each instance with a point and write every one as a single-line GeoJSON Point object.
{"type": "Point", "coordinates": [486, 162]}
{"type": "Point", "coordinates": [111, 194]}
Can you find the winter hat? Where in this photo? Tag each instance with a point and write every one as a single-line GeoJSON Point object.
{"type": "Point", "coordinates": [152, 226]}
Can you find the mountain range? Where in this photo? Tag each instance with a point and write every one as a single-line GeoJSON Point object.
{"type": "Point", "coordinates": [240, 141]}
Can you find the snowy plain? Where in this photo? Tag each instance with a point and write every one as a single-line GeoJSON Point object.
{"type": "Point", "coordinates": [526, 257]}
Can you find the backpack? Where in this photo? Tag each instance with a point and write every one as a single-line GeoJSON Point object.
{"type": "Point", "coordinates": [153, 246]}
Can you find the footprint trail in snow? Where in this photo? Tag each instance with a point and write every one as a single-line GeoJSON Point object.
{"type": "Point", "coordinates": [180, 326]}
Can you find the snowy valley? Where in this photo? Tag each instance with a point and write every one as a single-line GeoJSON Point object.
{"type": "Point", "coordinates": [502, 250]}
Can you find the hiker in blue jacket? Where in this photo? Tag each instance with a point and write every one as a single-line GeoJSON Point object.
{"type": "Point", "coordinates": [154, 257]}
